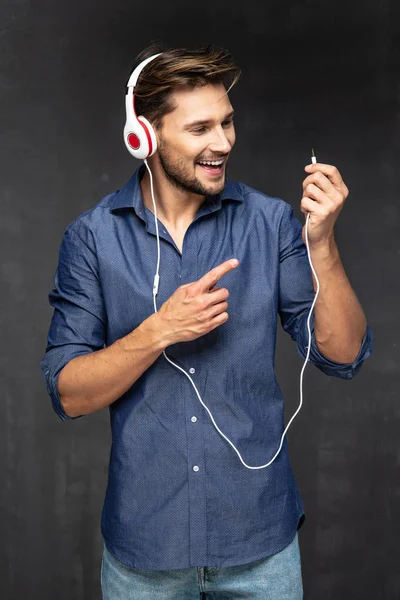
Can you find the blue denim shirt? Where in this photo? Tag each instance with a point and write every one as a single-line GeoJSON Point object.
{"type": "Point", "coordinates": [177, 494]}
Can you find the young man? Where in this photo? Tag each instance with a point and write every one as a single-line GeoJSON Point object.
{"type": "Point", "coordinates": [182, 514]}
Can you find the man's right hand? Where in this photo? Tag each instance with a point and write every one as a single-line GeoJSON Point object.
{"type": "Point", "coordinates": [195, 309]}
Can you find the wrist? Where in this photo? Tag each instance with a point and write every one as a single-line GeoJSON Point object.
{"type": "Point", "coordinates": [154, 329]}
{"type": "Point", "coordinates": [324, 251]}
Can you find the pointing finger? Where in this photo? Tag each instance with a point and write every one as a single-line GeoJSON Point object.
{"type": "Point", "coordinates": [205, 283]}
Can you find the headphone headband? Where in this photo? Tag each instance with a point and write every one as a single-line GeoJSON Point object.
{"type": "Point", "coordinates": [135, 75]}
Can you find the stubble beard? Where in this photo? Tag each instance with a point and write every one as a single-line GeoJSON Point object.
{"type": "Point", "coordinates": [178, 176]}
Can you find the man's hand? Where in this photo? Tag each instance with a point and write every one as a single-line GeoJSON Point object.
{"type": "Point", "coordinates": [324, 193]}
{"type": "Point", "coordinates": [195, 309]}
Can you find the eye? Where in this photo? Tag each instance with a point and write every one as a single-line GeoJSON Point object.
{"type": "Point", "coordinates": [200, 130]}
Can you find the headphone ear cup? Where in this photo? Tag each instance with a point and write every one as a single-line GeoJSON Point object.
{"type": "Point", "coordinates": [139, 136]}
{"type": "Point", "coordinates": [150, 134]}
{"type": "Point", "coordinates": [134, 136]}
{"type": "Point", "coordinates": [135, 141]}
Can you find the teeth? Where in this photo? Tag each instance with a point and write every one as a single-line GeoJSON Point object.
{"type": "Point", "coordinates": [211, 162]}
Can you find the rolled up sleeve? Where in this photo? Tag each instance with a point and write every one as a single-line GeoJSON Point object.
{"type": "Point", "coordinates": [78, 324]}
{"type": "Point", "coordinates": [296, 294]}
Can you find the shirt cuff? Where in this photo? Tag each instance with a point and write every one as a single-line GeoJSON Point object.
{"type": "Point", "coordinates": [51, 379]}
{"type": "Point", "coordinates": [326, 365]}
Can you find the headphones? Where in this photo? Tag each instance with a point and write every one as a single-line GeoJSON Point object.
{"type": "Point", "coordinates": [139, 136]}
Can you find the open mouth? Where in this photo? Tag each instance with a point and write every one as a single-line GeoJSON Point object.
{"type": "Point", "coordinates": [212, 167]}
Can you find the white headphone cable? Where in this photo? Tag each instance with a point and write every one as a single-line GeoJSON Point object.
{"type": "Point", "coordinates": [155, 291]}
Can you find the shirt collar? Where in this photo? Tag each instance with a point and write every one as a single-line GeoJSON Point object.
{"type": "Point", "coordinates": [130, 196]}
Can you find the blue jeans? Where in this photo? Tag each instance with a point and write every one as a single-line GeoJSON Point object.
{"type": "Point", "coordinates": [276, 577]}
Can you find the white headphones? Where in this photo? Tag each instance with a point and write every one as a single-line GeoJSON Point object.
{"type": "Point", "coordinates": [139, 136]}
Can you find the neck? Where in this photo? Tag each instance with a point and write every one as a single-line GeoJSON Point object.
{"type": "Point", "coordinates": [175, 206]}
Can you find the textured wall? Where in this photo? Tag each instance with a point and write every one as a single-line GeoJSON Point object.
{"type": "Point", "coordinates": [315, 74]}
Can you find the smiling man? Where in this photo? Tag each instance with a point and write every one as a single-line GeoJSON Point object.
{"type": "Point", "coordinates": [183, 516]}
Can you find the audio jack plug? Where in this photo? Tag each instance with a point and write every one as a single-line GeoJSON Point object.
{"type": "Point", "coordinates": [313, 157]}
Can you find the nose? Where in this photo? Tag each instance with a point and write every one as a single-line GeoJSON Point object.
{"type": "Point", "coordinates": [220, 143]}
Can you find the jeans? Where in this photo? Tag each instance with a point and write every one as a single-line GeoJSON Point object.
{"type": "Point", "coordinates": [276, 577]}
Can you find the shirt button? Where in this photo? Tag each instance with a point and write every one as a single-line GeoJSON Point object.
{"type": "Point", "coordinates": [193, 419]}
{"type": "Point", "coordinates": [192, 370]}
{"type": "Point", "coordinates": [195, 468]}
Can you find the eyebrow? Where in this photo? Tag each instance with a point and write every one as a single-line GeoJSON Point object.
{"type": "Point", "coordinates": [207, 121]}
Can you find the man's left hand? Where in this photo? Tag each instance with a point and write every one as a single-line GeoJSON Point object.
{"type": "Point", "coordinates": [324, 193]}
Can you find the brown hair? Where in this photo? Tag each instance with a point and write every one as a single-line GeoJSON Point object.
{"type": "Point", "coordinates": [179, 68]}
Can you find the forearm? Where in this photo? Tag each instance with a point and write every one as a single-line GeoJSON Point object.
{"type": "Point", "coordinates": [339, 320]}
{"type": "Point", "coordinates": [91, 382]}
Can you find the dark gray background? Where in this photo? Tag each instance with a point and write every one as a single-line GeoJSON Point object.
{"type": "Point", "coordinates": [315, 74]}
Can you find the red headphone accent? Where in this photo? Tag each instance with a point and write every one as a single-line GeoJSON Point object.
{"type": "Point", "coordinates": [148, 136]}
{"type": "Point", "coordinates": [134, 141]}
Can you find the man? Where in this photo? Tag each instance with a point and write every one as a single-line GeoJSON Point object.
{"type": "Point", "coordinates": [182, 514]}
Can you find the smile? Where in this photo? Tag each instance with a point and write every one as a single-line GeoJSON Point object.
{"type": "Point", "coordinates": [211, 167]}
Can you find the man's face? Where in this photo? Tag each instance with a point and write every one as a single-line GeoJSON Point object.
{"type": "Point", "coordinates": [199, 129]}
